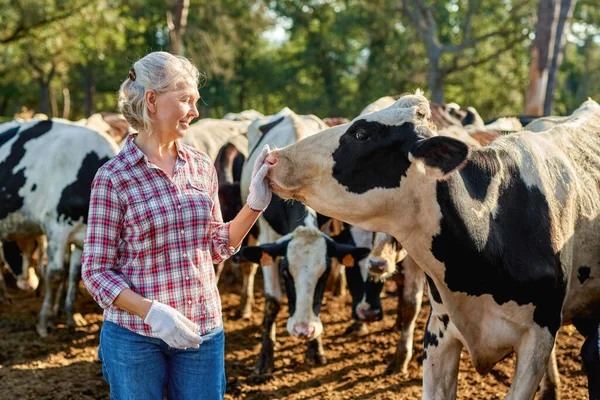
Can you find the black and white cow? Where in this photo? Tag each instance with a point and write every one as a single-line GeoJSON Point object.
{"type": "Point", "coordinates": [280, 218]}
{"type": "Point", "coordinates": [507, 234]}
{"type": "Point", "coordinates": [46, 169]}
{"type": "Point", "coordinates": [305, 266]}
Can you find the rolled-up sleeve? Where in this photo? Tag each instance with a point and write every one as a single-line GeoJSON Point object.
{"type": "Point", "coordinates": [219, 232]}
{"type": "Point", "coordinates": [105, 218]}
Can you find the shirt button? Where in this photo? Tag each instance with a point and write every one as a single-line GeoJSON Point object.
{"type": "Point", "coordinates": [187, 278]}
{"type": "Point", "coordinates": [179, 206]}
{"type": "Point", "coordinates": [189, 302]}
{"type": "Point", "coordinates": [185, 254]}
{"type": "Point", "coordinates": [182, 231]}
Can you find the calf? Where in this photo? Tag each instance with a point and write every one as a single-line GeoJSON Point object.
{"type": "Point", "coordinates": [306, 263]}
{"type": "Point", "coordinates": [46, 171]}
{"type": "Point", "coordinates": [507, 234]}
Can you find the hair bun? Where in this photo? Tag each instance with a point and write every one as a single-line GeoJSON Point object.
{"type": "Point", "coordinates": [132, 74]}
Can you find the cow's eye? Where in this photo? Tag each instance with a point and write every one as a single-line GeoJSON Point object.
{"type": "Point", "coordinates": [361, 135]}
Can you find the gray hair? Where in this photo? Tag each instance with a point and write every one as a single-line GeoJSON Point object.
{"type": "Point", "coordinates": [159, 71]}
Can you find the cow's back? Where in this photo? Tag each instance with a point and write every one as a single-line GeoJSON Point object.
{"type": "Point", "coordinates": [46, 170]}
{"type": "Point", "coordinates": [566, 161]}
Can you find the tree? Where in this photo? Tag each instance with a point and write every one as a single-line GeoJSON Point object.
{"type": "Point", "coordinates": [177, 25]}
{"type": "Point", "coordinates": [566, 12]}
{"type": "Point", "coordinates": [444, 56]}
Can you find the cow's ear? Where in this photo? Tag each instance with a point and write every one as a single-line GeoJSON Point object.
{"type": "Point", "coordinates": [265, 253]}
{"type": "Point", "coordinates": [346, 254]}
{"type": "Point", "coordinates": [441, 153]}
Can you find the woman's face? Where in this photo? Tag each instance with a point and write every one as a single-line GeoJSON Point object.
{"type": "Point", "coordinates": [174, 112]}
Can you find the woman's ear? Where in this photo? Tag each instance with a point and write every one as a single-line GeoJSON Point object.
{"type": "Point", "coordinates": [150, 96]}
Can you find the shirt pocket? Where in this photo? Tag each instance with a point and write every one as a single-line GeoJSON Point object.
{"type": "Point", "coordinates": [145, 216]}
{"type": "Point", "coordinates": [199, 201]}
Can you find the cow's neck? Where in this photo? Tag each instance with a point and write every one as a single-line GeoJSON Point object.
{"type": "Point", "coordinates": [460, 207]}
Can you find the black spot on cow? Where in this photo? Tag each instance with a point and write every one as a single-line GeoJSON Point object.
{"type": "Point", "coordinates": [441, 334]}
{"type": "Point", "coordinates": [507, 254]}
{"type": "Point", "coordinates": [285, 216]}
{"type": "Point", "coordinates": [429, 339]}
{"type": "Point", "coordinates": [434, 291]}
{"type": "Point", "coordinates": [583, 273]}
{"type": "Point", "coordinates": [445, 319]}
{"type": "Point", "coordinates": [478, 173]}
{"type": "Point", "coordinates": [372, 155]}
{"type": "Point", "coordinates": [267, 127]}
{"type": "Point", "coordinates": [33, 187]}
{"type": "Point", "coordinates": [11, 181]}
{"type": "Point", "coordinates": [75, 198]}
{"type": "Point", "coordinates": [264, 129]}
{"type": "Point", "coordinates": [8, 135]}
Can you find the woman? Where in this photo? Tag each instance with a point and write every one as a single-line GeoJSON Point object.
{"type": "Point", "coordinates": [154, 232]}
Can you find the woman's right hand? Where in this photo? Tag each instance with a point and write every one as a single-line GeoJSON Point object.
{"type": "Point", "coordinates": [259, 195]}
{"type": "Point", "coordinates": [172, 326]}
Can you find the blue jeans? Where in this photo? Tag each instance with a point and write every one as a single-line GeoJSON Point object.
{"type": "Point", "coordinates": [141, 367]}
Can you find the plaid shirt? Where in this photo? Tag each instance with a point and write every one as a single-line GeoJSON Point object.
{"type": "Point", "coordinates": [157, 236]}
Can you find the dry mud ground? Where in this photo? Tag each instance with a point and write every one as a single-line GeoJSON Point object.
{"type": "Point", "coordinates": [65, 365]}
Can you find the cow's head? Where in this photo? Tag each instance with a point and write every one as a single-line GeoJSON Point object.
{"type": "Point", "coordinates": [305, 267]}
{"type": "Point", "coordinates": [362, 171]}
{"type": "Point", "coordinates": [386, 254]}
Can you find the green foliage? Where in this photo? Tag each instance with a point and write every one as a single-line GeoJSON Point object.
{"type": "Point", "coordinates": [339, 55]}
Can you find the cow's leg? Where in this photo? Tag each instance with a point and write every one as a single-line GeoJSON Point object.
{"type": "Point", "coordinates": [590, 353]}
{"type": "Point", "coordinates": [3, 292]}
{"type": "Point", "coordinates": [412, 295]}
{"type": "Point", "coordinates": [533, 354]}
{"type": "Point", "coordinates": [248, 272]}
{"type": "Point", "coordinates": [54, 276]}
{"type": "Point", "coordinates": [356, 286]}
{"type": "Point", "coordinates": [218, 270]}
{"type": "Point", "coordinates": [550, 388]}
{"type": "Point", "coordinates": [28, 279]}
{"type": "Point", "coordinates": [441, 355]}
{"type": "Point", "coordinates": [74, 319]}
{"type": "Point", "coordinates": [315, 354]}
{"type": "Point", "coordinates": [339, 290]}
{"type": "Point", "coordinates": [265, 361]}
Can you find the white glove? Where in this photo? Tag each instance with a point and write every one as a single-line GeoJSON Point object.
{"type": "Point", "coordinates": [259, 195]}
{"type": "Point", "coordinates": [172, 326]}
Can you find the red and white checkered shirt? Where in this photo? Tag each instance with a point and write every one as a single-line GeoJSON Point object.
{"type": "Point", "coordinates": [157, 236]}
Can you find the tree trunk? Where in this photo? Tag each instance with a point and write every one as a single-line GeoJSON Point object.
{"type": "Point", "coordinates": [177, 25]}
{"type": "Point", "coordinates": [566, 12]}
{"type": "Point", "coordinates": [44, 96]}
{"type": "Point", "coordinates": [541, 57]}
{"type": "Point", "coordinates": [435, 80]}
{"type": "Point", "coordinates": [66, 103]}
{"type": "Point", "coordinates": [89, 91]}
{"type": "Point", "coordinates": [53, 102]}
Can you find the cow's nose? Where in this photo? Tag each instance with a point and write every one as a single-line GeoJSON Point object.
{"type": "Point", "coordinates": [377, 264]}
{"type": "Point", "coordinates": [272, 159]}
{"type": "Point", "coordinates": [303, 330]}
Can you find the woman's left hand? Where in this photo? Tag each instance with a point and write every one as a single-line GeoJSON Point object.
{"type": "Point", "coordinates": [259, 195]}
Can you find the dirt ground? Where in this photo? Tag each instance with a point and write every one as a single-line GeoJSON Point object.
{"type": "Point", "coordinates": [65, 365]}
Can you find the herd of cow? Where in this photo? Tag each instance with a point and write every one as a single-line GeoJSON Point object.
{"type": "Point", "coordinates": [501, 220]}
